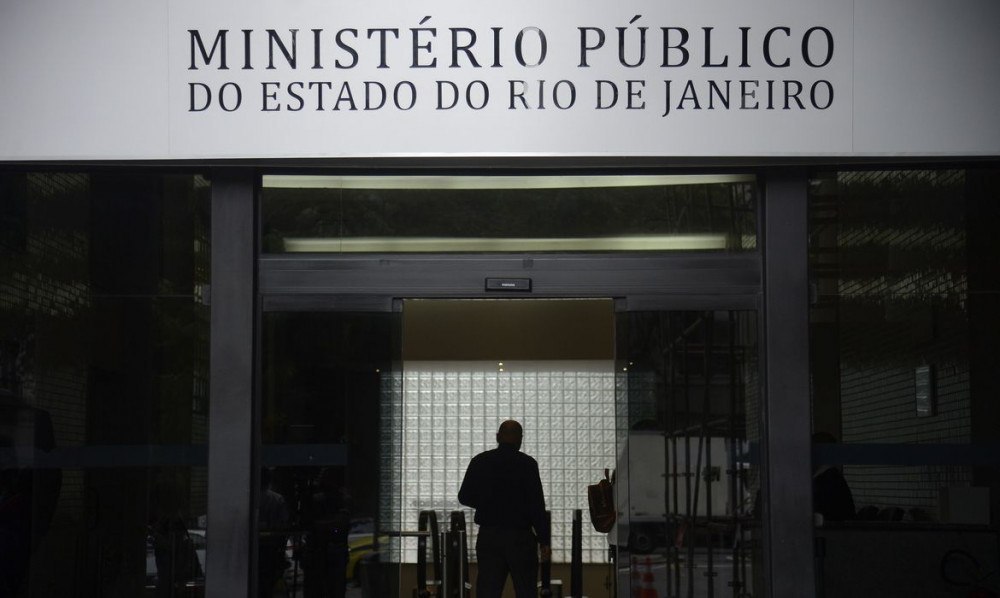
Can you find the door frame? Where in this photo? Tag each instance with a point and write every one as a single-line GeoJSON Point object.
{"type": "Point", "coordinates": [318, 282]}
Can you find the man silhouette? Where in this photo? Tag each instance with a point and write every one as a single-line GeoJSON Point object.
{"type": "Point", "coordinates": [504, 487]}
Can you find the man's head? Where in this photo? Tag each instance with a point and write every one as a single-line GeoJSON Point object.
{"type": "Point", "coordinates": [510, 433]}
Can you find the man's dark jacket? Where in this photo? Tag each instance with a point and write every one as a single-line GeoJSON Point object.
{"type": "Point", "coordinates": [504, 487]}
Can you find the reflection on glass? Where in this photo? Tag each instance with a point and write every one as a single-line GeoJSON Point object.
{"type": "Point", "coordinates": [903, 366]}
{"type": "Point", "coordinates": [687, 478]}
{"type": "Point", "coordinates": [323, 463]}
{"type": "Point", "coordinates": [103, 384]}
{"type": "Point", "coordinates": [395, 214]}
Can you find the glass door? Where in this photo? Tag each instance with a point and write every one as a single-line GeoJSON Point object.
{"type": "Point", "coordinates": [687, 474]}
{"type": "Point", "coordinates": [329, 384]}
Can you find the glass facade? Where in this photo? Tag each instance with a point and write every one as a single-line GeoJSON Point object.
{"type": "Point", "coordinates": [507, 213]}
{"type": "Point", "coordinates": [905, 409]}
{"type": "Point", "coordinates": [104, 369]}
{"type": "Point", "coordinates": [103, 383]}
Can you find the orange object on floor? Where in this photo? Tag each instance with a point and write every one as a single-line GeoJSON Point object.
{"type": "Point", "coordinates": [648, 582]}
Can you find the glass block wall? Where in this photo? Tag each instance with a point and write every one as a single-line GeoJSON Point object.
{"type": "Point", "coordinates": [450, 411]}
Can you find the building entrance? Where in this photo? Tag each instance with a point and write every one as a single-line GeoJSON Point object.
{"type": "Point", "coordinates": [404, 318]}
{"type": "Point", "coordinates": [368, 420]}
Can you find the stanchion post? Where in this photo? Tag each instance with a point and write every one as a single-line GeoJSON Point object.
{"type": "Point", "coordinates": [445, 569]}
{"type": "Point", "coordinates": [545, 587]}
{"type": "Point", "coordinates": [576, 563]}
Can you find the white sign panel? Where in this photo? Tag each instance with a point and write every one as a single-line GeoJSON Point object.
{"type": "Point", "coordinates": [321, 78]}
{"type": "Point", "coordinates": [558, 78]}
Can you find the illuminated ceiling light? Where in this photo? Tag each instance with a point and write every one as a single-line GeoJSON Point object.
{"type": "Point", "coordinates": [497, 182]}
{"type": "Point", "coordinates": [694, 242]}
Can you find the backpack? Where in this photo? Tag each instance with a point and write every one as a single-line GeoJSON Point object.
{"type": "Point", "coordinates": [601, 499]}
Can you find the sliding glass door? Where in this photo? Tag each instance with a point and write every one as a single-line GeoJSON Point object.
{"type": "Point", "coordinates": [687, 476]}
{"type": "Point", "coordinates": [329, 387]}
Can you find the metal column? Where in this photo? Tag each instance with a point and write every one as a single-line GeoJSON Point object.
{"type": "Point", "coordinates": [787, 491]}
{"type": "Point", "coordinates": [230, 432]}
